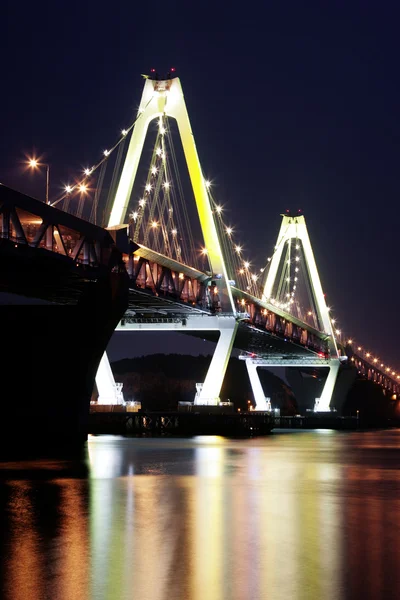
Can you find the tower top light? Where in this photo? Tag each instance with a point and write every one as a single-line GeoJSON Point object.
{"type": "Point", "coordinates": [154, 75]}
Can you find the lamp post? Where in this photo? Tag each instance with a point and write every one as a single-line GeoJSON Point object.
{"type": "Point", "coordinates": [34, 164]}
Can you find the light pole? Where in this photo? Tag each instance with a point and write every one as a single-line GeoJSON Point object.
{"type": "Point", "coordinates": [34, 164]}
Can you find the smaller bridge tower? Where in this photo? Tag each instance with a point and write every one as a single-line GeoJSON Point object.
{"type": "Point", "coordinates": [294, 231]}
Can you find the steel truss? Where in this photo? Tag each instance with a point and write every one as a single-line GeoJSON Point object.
{"type": "Point", "coordinates": [25, 221]}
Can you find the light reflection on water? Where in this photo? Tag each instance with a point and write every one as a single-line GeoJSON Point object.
{"type": "Point", "coordinates": [307, 515]}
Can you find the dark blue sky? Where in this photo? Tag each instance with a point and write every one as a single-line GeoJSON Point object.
{"type": "Point", "coordinates": [292, 105]}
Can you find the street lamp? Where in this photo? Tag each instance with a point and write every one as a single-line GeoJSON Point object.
{"type": "Point", "coordinates": [35, 164]}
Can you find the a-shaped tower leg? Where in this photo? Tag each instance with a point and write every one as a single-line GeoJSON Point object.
{"type": "Point", "coordinates": [322, 404]}
{"type": "Point", "coordinates": [210, 391]}
{"type": "Point", "coordinates": [105, 383]}
{"type": "Point", "coordinates": [258, 392]}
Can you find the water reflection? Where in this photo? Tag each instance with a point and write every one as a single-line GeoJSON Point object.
{"type": "Point", "coordinates": [303, 515]}
{"type": "Point", "coordinates": [24, 561]}
{"type": "Point", "coordinates": [45, 540]}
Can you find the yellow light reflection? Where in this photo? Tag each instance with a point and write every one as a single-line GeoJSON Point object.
{"type": "Point", "coordinates": [209, 521]}
{"type": "Point", "coordinates": [73, 571]}
{"type": "Point", "coordinates": [23, 576]}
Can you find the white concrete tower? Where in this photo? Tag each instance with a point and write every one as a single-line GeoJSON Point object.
{"type": "Point", "coordinates": [165, 98]}
{"type": "Point", "coordinates": [294, 228]}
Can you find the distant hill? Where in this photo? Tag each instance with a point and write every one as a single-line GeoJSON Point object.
{"type": "Point", "coordinates": [160, 381]}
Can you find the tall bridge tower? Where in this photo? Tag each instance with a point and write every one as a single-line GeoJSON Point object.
{"type": "Point", "coordinates": [165, 98]}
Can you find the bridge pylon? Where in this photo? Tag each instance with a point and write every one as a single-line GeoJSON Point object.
{"type": "Point", "coordinates": [294, 228]}
{"type": "Point", "coordinates": [165, 98]}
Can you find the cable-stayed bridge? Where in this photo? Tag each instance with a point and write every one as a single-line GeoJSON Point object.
{"type": "Point", "coordinates": [187, 271]}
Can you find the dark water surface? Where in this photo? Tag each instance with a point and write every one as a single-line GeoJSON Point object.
{"type": "Point", "coordinates": [299, 515]}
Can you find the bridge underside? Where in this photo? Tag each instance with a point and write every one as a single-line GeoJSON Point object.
{"type": "Point", "coordinates": [159, 312]}
{"type": "Point", "coordinates": [146, 309]}
{"type": "Point", "coordinates": [144, 304]}
{"type": "Point", "coordinates": [262, 343]}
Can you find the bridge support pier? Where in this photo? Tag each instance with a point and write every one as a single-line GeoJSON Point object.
{"type": "Point", "coordinates": [227, 326]}
{"type": "Point", "coordinates": [258, 392]}
{"type": "Point", "coordinates": [210, 391]}
{"type": "Point", "coordinates": [105, 382]}
{"type": "Point", "coordinates": [322, 404]}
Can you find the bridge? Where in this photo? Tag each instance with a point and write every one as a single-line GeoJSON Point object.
{"type": "Point", "coordinates": [186, 271]}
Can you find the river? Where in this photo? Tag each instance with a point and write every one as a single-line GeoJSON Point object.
{"type": "Point", "coordinates": [295, 515]}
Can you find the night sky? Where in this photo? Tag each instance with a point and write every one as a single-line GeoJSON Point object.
{"type": "Point", "coordinates": [292, 104]}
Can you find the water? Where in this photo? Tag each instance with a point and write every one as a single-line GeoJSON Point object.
{"type": "Point", "coordinates": [303, 515]}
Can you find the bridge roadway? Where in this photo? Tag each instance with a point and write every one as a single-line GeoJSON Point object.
{"type": "Point", "coordinates": [167, 295]}
{"type": "Point", "coordinates": [163, 294]}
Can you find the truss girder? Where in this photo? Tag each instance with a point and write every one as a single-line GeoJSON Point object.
{"type": "Point", "coordinates": [161, 281]}
{"type": "Point", "coordinates": [267, 320]}
{"type": "Point", "coordinates": [28, 222]}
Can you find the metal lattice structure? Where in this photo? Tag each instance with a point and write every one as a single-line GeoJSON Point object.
{"type": "Point", "coordinates": [29, 223]}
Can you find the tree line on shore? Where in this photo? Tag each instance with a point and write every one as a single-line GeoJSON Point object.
{"type": "Point", "coordinates": [160, 381]}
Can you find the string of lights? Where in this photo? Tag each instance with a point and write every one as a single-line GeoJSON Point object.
{"type": "Point", "coordinates": [364, 354]}
{"type": "Point", "coordinates": [160, 218]}
{"type": "Point", "coordinates": [82, 183]}
{"type": "Point", "coordinates": [241, 266]}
